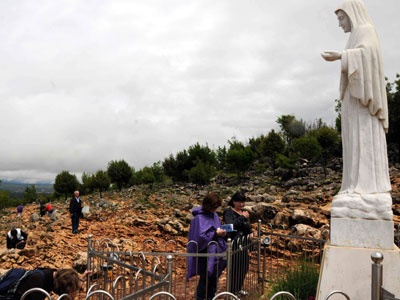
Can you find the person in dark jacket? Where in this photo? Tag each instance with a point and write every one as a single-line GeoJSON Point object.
{"type": "Point", "coordinates": [63, 281]}
{"type": "Point", "coordinates": [16, 238]}
{"type": "Point", "coordinates": [205, 235]}
{"type": "Point", "coordinates": [75, 210]}
{"type": "Point", "coordinates": [42, 208]}
{"type": "Point", "coordinates": [240, 219]}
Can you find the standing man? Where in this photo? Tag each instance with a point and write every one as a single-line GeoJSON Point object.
{"type": "Point", "coordinates": [75, 209]}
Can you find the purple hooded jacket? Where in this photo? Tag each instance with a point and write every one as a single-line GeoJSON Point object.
{"type": "Point", "coordinates": [201, 233]}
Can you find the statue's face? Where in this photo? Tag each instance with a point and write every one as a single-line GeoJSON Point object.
{"type": "Point", "coordinates": [344, 21]}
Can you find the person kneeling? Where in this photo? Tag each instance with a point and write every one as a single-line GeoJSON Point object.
{"type": "Point", "coordinates": [16, 238]}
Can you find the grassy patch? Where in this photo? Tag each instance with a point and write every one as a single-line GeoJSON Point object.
{"type": "Point", "coordinates": [300, 280]}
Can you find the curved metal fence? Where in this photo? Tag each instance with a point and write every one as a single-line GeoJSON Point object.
{"type": "Point", "coordinates": [149, 271]}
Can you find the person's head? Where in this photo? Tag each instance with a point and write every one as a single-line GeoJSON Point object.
{"type": "Point", "coordinates": [13, 232]}
{"type": "Point", "coordinates": [76, 193]}
{"type": "Point", "coordinates": [211, 202]}
{"type": "Point", "coordinates": [67, 281]}
{"type": "Point", "coordinates": [344, 20]}
{"type": "Point", "coordinates": [238, 199]}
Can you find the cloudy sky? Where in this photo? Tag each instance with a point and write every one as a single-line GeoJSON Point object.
{"type": "Point", "coordinates": [83, 83]}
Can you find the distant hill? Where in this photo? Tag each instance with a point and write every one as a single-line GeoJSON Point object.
{"type": "Point", "coordinates": [16, 189]}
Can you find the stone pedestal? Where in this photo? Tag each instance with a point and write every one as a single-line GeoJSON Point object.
{"type": "Point", "coordinates": [361, 233]}
{"type": "Point", "coordinates": [348, 269]}
{"type": "Point", "coordinates": [347, 263]}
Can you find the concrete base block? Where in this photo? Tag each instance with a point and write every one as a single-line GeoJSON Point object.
{"type": "Point", "coordinates": [348, 269]}
{"type": "Point", "coordinates": [361, 233]}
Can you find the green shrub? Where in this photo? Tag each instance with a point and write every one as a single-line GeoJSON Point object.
{"type": "Point", "coordinates": [201, 173]}
{"type": "Point", "coordinates": [301, 281]}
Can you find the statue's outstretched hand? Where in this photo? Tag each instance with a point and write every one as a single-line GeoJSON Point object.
{"type": "Point", "coordinates": [331, 55]}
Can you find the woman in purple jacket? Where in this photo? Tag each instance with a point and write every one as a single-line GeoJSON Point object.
{"type": "Point", "coordinates": [206, 236]}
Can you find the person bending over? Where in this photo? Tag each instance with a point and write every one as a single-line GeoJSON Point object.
{"type": "Point", "coordinates": [16, 238]}
{"type": "Point", "coordinates": [62, 281]}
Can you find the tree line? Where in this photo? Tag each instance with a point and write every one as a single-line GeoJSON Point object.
{"type": "Point", "coordinates": [296, 143]}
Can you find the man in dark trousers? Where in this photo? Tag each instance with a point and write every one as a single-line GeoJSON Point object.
{"type": "Point", "coordinates": [75, 209]}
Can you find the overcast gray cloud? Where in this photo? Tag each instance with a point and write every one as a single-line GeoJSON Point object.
{"type": "Point", "coordinates": [86, 82]}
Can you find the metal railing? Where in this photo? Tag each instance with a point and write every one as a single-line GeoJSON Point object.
{"type": "Point", "coordinates": [281, 252]}
{"type": "Point", "coordinates": [126, 272]}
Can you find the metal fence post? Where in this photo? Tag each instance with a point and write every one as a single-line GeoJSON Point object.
{"type": "Point", "coordinates": [259, 249]}
{"type": "Point", "coordinates": [169, 270]}
{"type": "Point", "coordinates": [376, 278]}
{"type": "Point", "coordinates": [264, 270]}
{"type": "Point", "coordinates": [229, 265]}
{"type": "Point", "coordinates": [88, 263]}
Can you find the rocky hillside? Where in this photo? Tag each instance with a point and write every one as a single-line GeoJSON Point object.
{"type": "Point", "coordinates": [162, 214]}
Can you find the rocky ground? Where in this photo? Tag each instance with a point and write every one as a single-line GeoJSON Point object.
{"type": "Point", "coordinates": [163, 214]}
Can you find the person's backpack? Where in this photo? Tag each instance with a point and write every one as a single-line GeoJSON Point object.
{"type": "Point", "coordinates": [10, 281]}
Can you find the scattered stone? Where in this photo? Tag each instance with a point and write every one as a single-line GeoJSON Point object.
{"type": "Point", "coordinates": [299, 205]}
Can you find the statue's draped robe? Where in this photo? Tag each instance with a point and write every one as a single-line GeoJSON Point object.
{"type": "Point", "coordinates": [364, 108]}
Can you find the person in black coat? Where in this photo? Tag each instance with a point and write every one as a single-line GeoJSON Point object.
{"type": "Point", "coordinates": [16, 238]}
{"type": "Point", "coordinates": [42, 207]}
{"type": "Point", "coordinates": [240, 219]}
{"type": "Point", "coordinates": [75, 209]}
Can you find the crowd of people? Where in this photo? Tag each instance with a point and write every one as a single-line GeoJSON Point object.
{"type": "Point", "coordinates": [206, 235]}
{"type": "Point", "coordinates": [15, 282]}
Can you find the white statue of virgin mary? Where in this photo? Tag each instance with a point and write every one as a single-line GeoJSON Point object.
{"type": "Point", "coordinates": [365, 190]}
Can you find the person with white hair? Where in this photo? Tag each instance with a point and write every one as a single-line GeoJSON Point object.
{"type": "Point", "coordinates": [75, 210]}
